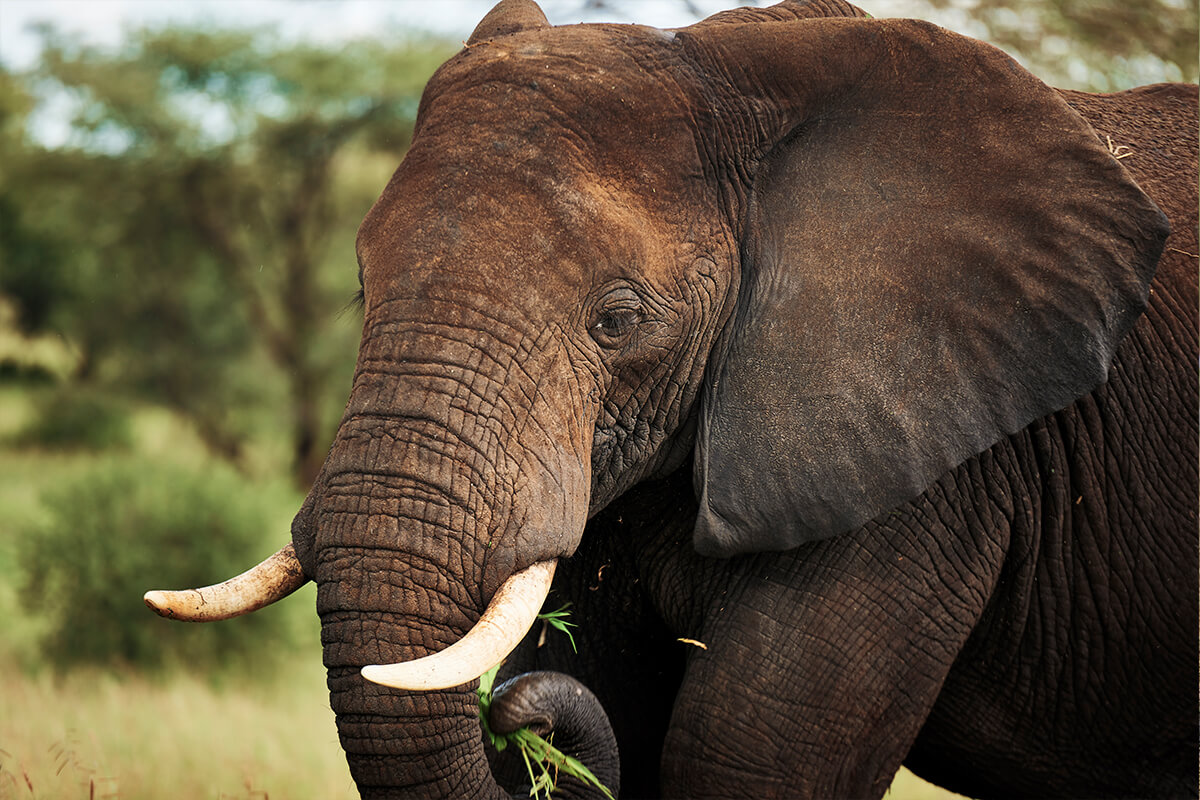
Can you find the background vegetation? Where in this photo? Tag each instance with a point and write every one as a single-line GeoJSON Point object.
{"type": "Point", "coordinates": [175, 350]}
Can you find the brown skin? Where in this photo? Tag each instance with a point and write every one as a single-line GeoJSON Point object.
{"type": "Point", "coordinates": [610, 248]}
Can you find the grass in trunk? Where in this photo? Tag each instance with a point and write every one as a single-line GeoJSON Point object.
{"type": "Point", "coordinates": [543, 761]}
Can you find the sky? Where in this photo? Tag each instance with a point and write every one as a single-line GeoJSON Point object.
{"type": "Point", "coordinates": [103, 21]}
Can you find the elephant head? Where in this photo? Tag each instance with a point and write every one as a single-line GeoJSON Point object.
{"type": "Point", "coordinates": [818, 261]}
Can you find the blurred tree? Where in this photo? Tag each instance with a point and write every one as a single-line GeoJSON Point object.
{"type": "Point", "coordinates": [192, 236]}
{"type": "Point", "coordinates": [23, 252]}
{"type": "Point", "coordinates": [1101, 45]}
{"type": "Point", "coordinates": [125, 524]}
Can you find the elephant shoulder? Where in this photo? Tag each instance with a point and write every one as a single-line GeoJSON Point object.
{"type": "Point", "coordinates": [1152, 131]}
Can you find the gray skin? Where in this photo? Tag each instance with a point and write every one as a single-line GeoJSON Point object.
{"type": "Point", "coordinates": [844, 347]}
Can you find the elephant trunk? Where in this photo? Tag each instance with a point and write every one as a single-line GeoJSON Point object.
{"type": "Point", "coordinates": [410, 744]}
{"type": "Point", "coordinates": [399, 743]}
{"type": "Point", "coordinates": [407, 557]}
{"type": "Point", "coordinates": [554, 702]}
{"type": "Point", "coordinates": [454, 469]}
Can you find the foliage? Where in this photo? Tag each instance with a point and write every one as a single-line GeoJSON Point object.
{"type": "Point", "coordinates": [558, 620]}
{"type": "Point", "coordinates": [191, 235]}
{"type": "Point", "coordinates": [1097, 45]}
{"type": "Point", "coordinates": [543, 761]}
{"type": "Point", "coordinates": [130, 525]}
{"type": "Point", "coordinates": [79, 419]}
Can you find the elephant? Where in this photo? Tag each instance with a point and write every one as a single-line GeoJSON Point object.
{"type": "Point", "coordinates": [842, 376]}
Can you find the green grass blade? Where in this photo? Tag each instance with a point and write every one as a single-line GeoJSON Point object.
{"type": "Point", "coordinates": [540, 755]}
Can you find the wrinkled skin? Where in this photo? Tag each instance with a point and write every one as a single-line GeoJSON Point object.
{"type": "Point", "coordinates": [784, 335]}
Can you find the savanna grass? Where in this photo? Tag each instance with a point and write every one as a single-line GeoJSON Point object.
{"type": "Point", "coordinates": [93, 734]}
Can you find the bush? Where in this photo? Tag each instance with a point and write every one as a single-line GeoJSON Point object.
{"type": "Point", "coordinates": [78, 419]}
{"type": "Point", "coordinates": [134, 525]}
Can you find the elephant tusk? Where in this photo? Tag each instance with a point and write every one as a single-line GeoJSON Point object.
{"type": "Point", "coordinates": [273, 579]}
{"type": "Point", "coordinates": [505, 622]}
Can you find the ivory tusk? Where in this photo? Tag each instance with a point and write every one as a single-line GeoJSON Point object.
{"type": "Point", "coordinates": [508, 617]}
{"type": "Point", "coordinates": [273, 579]}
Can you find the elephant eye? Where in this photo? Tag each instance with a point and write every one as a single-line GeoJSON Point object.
{"type": "Point", "coordinates": [615, 323]}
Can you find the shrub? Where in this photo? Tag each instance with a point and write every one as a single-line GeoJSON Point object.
{"type": "Point", "coordinates": [73, 418]}
{"type": "Point", "coordinates": [132, 525]}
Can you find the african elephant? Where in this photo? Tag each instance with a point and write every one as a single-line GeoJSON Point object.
{"type": "Point", "coordinates": [846, 373]}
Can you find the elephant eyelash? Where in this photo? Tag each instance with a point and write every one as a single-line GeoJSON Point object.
{"type": "Point", "coordinates": [357, 302]}
{"type": "Point", "coordinates": [615, 325]}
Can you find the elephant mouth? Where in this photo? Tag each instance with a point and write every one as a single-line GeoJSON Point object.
{"type": "Point", "coordinates": [505, 621]}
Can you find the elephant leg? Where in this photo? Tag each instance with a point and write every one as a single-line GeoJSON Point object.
{"type": "Point", "coordinates": [823, 662]}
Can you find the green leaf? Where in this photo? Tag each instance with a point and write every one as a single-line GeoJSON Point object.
{"type": "Point", "coordinates": [558, 621]}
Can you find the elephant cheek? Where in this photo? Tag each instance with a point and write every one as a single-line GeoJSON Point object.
{"type": "Point", "coordinates": [550, 510]}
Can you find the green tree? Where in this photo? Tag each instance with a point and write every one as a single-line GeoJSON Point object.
{"type": "Point", "coordinates": [125, 525]}
{"type": "Point", "coordinates": [1101, 45]}
{"type": "Point", "coordinates": [192, 236]}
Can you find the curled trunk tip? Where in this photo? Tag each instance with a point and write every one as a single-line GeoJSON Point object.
{"type": "Point", "coordinates": [505, 622]}
{"type": "Point", "coordinates": [273, 579]}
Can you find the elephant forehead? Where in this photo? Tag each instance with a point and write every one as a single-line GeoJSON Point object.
{"type": "Point", "coordinates": [490, 223]}
{"type": "Point", "coordinates": [576, 92]}
{"type": "Point", "coordinates": [553, 240]}
{"type": "Point", "coordinates": [562, 158]}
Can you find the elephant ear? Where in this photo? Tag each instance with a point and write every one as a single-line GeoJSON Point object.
{"type": "Point", "coordinates": [508, 16]}
{"type": "Point", "coordinates": [936, 251]}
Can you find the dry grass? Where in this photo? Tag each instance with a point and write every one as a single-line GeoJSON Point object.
{"type": "Point", "coordinates": [98, 736]}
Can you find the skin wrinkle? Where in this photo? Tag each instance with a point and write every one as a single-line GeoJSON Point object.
{"type": "Point", "coordinates": [387, 368]}
{"type": "Point", "coordinates": [452, 447]}
{"type": "Point", "coordinates": [360, 633]}
{"type": "Point", "coordinates": [428, 497]}
{"type": "Point", "coordinates": [451, 528]}
{"type": "Point", "coordinates": [435, 489]}
{"type": "Point", "coordinates": [417, 369]}
{"type": "Point", "coordinates": [443, 635]}
{"type": "Point", "coordinates": [625, 440]}
{"type": "Point", "coordinates": [352, 637]}
{"type": "Point", "coordinates": [480, 308]}
{"type": "Point", "coordinates": [473, 393]}
{"type": "Point", "coordinates": [410, 430]}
